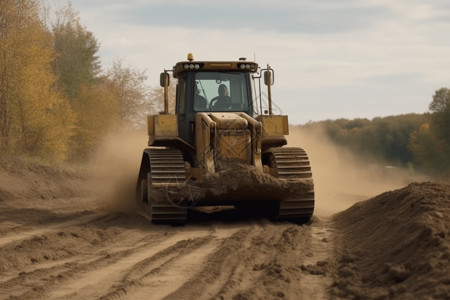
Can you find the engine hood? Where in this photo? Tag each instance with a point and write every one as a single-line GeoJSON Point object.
{"type": "Point", "coordinates": [228, 120]}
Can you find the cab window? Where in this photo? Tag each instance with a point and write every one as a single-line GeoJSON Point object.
{"type": "Point", "coordinates": [221, 91]}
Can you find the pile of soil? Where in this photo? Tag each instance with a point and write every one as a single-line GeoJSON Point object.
{"type": "Point", "coordinates": [238, 182]}
{"type": "Point", "coordinates": [245, 177]}
{"type": "Point", "coordinates": [395, 245]}
{"type": "Point", "coordinates": [25, 179]}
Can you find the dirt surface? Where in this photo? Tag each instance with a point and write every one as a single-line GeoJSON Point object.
{"type": "Point", "coordinates": [396, 245]}
{"type": "Point", "coordinates": [58, 242]}
{"type": "Point", "coordinates": [60, 238]}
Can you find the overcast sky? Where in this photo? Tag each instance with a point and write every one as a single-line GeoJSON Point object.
{"type": "Point", "coordinates": [332, 59]}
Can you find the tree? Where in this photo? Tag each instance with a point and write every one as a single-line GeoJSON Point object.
{"type": "Point", "coordinates": [441, 100]}
{"type": "Point", "coordinates": [385, 139]}
{"type": "Point", "coordinates": [440, 108]}
{"type": "Point", "coordinates": [77, 62]}
{"type": "Point", "coordinates": [97, 110]}
{"type": "Point", "coordinates": [132, 93]}
{"type": "Point", "coordinates": [440, 128]}
{"type": "Point", "coordinates": [427, 150]}
{"type": "Point", "coordinates": [34, 117]}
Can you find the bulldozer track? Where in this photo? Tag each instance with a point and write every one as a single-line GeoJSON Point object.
{"type": "Point", "coordinates": [292, 163]}
{"type": "Point", "coordinates": [167, 166]}
{"type": "Point", "coordinates": [167, 170]}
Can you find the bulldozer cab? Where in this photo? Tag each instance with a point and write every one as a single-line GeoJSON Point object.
{"type": "Point", "coordinates": [211, 87]}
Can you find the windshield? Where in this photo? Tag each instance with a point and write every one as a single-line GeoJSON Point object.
{"type": "Point", "coordinates": [221, 91]}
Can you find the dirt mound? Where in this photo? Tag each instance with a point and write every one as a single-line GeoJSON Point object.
{"type": "Point", "coordinates": [396, 245]}
{"type": "Point", "coordinates": [249, 178]}
{"type": "Point", "coordinates": [25, 179]}
{"type": "Point", "coordinates": [238, 182]}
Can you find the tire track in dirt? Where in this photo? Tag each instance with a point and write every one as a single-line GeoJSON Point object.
{"type": "Point", "coordinates": [269, 266]}
{"type": "Point", "coordinates": [76, 248]}
{"type": "Point", "coordinates": [263, 270]}
{"type": "Point", "coordinates": [60, 243]}
{"type": "Point", "coordinates": [112, 268]}
{"type": "Point", "coordinates": [216, 270]}
{"type": "Point", "coordinates": [132, 269]}
{"type": "Point", "coordinates": [158, 278]}
{"type": "Point", "coordinates": [116, 257]}
{"type": "Point", "coordinates": [316, 279]}
{"type": "Point", "coordinates": [22, 235]}
{"type": "Point", "coordinates": [262, 260]}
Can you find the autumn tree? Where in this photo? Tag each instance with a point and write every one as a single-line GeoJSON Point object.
{"type": "Point", "coordinates": [129, 86]}
{"type": "Point", "coordinates": [427, 150]}
{"type": "Point", "coordinates": [77, 66]}
{"type": "Point", "coordinates": [35, 118]}
{"type": "Point", "coordinates": [431, 144]}
{"type": "Point", "coordinates": [98, 112]}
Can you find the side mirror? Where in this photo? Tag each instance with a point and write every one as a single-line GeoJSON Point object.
{"type": "Point", "coordinates": [268, 78]}
{"type": "Point", "coordinates": [163, 78]}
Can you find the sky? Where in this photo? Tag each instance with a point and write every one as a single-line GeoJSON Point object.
{"type": "Point", "coordinates": [332, 59]}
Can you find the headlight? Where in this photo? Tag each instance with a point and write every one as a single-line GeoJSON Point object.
{"type": "Point", "coordinates": [246, 66]}
{"type": "Point", "coordinates": [191, 66]}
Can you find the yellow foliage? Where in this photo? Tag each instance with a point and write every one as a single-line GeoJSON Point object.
{"type": "Point", "coordinates": [98, 111]}
{"type": "Point", "coordinates": [425, 127]}
{"type": "Point", "coordinates": [40, 121]}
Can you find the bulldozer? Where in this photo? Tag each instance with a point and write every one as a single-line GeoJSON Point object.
{"type": "Point", "coordinates": [222, 146]}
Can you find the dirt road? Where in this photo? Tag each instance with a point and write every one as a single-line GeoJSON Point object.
{"type": "Point", "coordinates": [86, 255]}
{"type": "Point", "coordinates": [57, 241]}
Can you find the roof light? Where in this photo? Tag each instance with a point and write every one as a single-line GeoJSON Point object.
{"type": "Point", "coordinates": [247, 66]}
{"type": "Point", "coordinates": [190, 66]}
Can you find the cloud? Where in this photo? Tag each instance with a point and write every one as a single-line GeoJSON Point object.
{"type": "Point", "coordinates": [285, 16]}
{"type": "Point", "coordinates": [335, 59]}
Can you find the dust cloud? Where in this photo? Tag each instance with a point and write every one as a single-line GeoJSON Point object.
{"type": "Point", "coordinates": [115, 169]}
{"type": "Point", "coordinates": [342, 178]}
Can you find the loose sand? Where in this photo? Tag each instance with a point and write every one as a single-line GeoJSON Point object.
{"type": "Point", "coordinates": [68, 234]}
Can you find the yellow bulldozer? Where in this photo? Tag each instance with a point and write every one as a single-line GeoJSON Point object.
{"type": "Point", "coordinates": [223, 146]}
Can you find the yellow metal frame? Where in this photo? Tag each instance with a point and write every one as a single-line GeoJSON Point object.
{"type": "Point", "coordinates": [162, 126]}
{"type": "Point", "coordinates": [274, 125]}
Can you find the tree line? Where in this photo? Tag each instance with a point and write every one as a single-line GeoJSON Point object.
{"type": "Point", "coordinates": [420, 142]}
{"type": "Point", "coordinates": [55, 99]}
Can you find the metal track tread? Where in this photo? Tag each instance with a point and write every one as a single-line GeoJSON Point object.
{"type": "Point", "coordinates": [293, 163]}
{"type": "Point", "coordinates": [166, 168]}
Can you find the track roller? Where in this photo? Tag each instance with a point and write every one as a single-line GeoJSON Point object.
{"type": "Point", "coordinates": [292, 163]}
{"type": "Point", "coordinates": [161, 170]}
